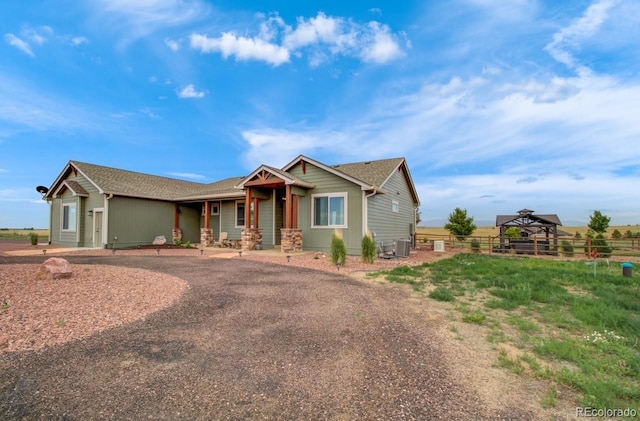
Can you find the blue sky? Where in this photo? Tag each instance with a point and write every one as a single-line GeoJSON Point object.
{"type": "Point", "coordinates": [497, 105]}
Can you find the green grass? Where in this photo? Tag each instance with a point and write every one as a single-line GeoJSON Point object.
{"type": "Point", "coordinates": [10, 234]}
{"type": "Point", "coordinates": [573, 328]}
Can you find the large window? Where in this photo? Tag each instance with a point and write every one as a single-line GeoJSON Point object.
{"type": "Point", "coordinates": [239, 214]}
{"type": "Point", "coordinates": [330, 210]}
{"type": "Point", "coordinates": [69, 217]}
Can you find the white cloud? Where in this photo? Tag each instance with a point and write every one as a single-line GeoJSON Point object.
{"type": "Point", "coordinates": [569, 38]}
{"type": "Point", "coordinates": [19, 44]}
{"type": "Point", "coordinates": [242, 48]}
{"type": "Point", "coordinates": [172, 44]}
{"type": "Point", "coordinates": [76, 41]}
{"type": "Point", "coordinates": [382, 47]}
{"type": "Point", "coordinates": [37, 36]}
{"type": "Point", "coordinates": [135, 19]}
{"type": "Point", "coordinates": [190, 91]}
{"type": "Point", "coordinates": [321, 37]}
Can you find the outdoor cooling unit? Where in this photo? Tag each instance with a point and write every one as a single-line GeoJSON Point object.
{"type": "Point", "coordinates": [402, 248]}
{"type": "Point", "coordinates": [438, 246]}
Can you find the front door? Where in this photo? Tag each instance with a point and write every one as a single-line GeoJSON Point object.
{"type": "Point", "coordinates": [97, 229]}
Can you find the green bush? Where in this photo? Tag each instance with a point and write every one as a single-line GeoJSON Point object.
{"type": "Point", "coordinates": [338, 249]}
{"type": "Point", "coordinates": [567, 248]}
{"type": "Point", "coordinates": [34, 238]}
{"type": "Point", "coordinates": [177, 242]}
{"type": "Point", "coordinates": [442, 294]}
{"type": "Point", "coordinates": [369, 249]}
{"type": "Point", "coordinates": [599, 243]}
{"type": "Point", "coordinates": [187, 245]}
{"type": "Point", "coordinates": [475, 245]}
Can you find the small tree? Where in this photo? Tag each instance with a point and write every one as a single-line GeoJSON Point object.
{"type": "Point", "coordinates": [368, 249]}
{"type": "Point", "coordinates": [567, 248]}
{"type": "Point", "coordinates": [628, 234]}
{"type": "Point", "coordinates": [338, 249]}
{"type": "Point", "coordinates": [616, 234]}
{"type": "Point", "coordinates": [460, 225]}
{"type": "Point", "coordinates": [513, 232]}
{"type": "Point", "coordinates": [577, 236]}
{"type": "Point", "coordinates": [599, 222]}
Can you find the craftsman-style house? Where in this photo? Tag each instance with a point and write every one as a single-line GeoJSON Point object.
{"type": "Point", "coordinates": [299, 205]}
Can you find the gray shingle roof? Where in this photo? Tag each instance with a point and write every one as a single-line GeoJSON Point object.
{"type": "Point", "coordinates": [130, 183]}
{"type": "Point", "coordinates": [371, 172]}
{"type": "Point", "coordinates": [218, 188]}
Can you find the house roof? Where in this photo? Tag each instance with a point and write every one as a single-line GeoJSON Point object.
{"type": "Point", "coordinates": [129, 183]}
{"type": "Point", "coordinates": [370, 175]}
{"type": "Point", "coordinates": [282, 175]}
{"type": "Point", "coordinates": [222, 188]}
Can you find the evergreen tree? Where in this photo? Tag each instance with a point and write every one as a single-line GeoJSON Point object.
{"type": "Point", "coordinates": [460, 224]}
{"type": "Point", "coordinates": [599, 222]}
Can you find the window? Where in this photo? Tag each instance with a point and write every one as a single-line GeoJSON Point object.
{"type": "Point", "coordinates": [69, 217]}
{"type": "Point", "coordinates": [239, 214]}
{"type": "Point", "coordinates": [330, 210]}
{"type": "Point", "coordinates": [215, 208]}
{"type": "Point", "coordinates": [394, 206]}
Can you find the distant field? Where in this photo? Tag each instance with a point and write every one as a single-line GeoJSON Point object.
{"type": "Point", "coordinates": [14, 234]}
{"type": "Point", "coordinates": [495, 231]}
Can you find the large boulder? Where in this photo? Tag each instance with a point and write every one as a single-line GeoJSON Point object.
{"type": "Point", "coordinates": [55, 268]}
{"type": "Point", "coordinates": [160, 240]}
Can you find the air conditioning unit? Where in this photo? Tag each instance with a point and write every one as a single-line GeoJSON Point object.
{"type": "Point", "coordinates": [402, 248]}
{"type": "Point", "coordinates": [438, 246]}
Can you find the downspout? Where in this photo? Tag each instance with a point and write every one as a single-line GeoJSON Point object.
{"type": "Point", "coordinates": [365, 210]}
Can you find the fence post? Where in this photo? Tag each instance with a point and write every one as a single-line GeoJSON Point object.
{"type": "Point", "coordinates": [589, 246]}
{"type": "Point", "coordinates": [490, 242]}
{"type": "Point", "coordinates": [535, 246]}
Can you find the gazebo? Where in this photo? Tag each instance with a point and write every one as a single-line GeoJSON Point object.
{"type": "Point", "coordinates": [527, 222]}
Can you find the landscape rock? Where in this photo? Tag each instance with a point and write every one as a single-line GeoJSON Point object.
{"type": "Point", "coordinates": [55, 268]}
{"type": "Point", "coordinates": [160, 240]}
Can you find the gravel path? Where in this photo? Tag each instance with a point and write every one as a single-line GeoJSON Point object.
{"type": "Point", "coordinates": [247, 340]}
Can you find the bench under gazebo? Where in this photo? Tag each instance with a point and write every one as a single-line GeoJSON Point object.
{"type": "Point", "coordinates": [538, 233]}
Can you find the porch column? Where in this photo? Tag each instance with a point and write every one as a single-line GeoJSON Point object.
{"type": "Point", "coordinates": [207, 214]}
{"type": "Point", "coordinates": [247, 208]}
{"type": "Point", "coordinates": [288, 205]}
{"type": "Point", "coordinates": [206, 233]}
{"type": "Point", "coordinates": [176, 232]}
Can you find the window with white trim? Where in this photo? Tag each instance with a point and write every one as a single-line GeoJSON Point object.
{"type": "Point", "coordinates": [329, 210]}
{"type": "Point", "coordinates": [215, 208]}
{"type": "Point", "coordinates": [240, 206]}
{"type": "Point", "coordinates": [395, 207]}
{"type": "Point", "coordinates": [69, 217]}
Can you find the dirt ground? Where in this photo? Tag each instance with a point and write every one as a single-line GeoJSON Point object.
{"type": "Point", "coordinates": [252, 339]}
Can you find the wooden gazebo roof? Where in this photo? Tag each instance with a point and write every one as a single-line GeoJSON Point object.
{"type": "Point", "coordinates": [526, 218]}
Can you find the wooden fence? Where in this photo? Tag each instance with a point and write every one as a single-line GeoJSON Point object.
{"type": "Point", "coordinates": [530, 245]}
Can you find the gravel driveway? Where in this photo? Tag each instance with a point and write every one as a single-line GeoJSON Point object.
{"type": "Point", "coordinates": [248, 340]}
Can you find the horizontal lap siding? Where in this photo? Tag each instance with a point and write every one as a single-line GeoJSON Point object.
{"type": "Point", "coordinates": [228, 220]}
{"type": "Point", "coordinates": [83, 236]}
{"type": "Point", "coordinates": [325, 182]}
{"type": "Point", "coordinates": [139, 221]}
{"type": "Point", "coordinates": [385, 224]}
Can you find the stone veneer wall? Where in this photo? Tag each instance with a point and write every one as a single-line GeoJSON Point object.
{"type": "Point", "coordinates": [176, 235]}
{"type": "Point", "coordinates": [290, 240]}
{"type": "Point", "coordinates": [251, 237]}
{"type": "Point", "coordinates": [206, 237]}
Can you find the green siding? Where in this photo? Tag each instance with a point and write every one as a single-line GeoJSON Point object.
{"type": "Point", "coordinates": [189, 223]}
{"type": "Point", "coordinates": [228, 220]}
{"type": "Point", "coordinates": [266, 220]}
{"type": "Point", "coordinates": [325, 182]}
{"type": "Point", "coordinates": [388, 225]}
{"type": "Point", "coordinates": [139, 221]}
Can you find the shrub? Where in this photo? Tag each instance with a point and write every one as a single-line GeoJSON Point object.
{"type": "Point", "coordinates": [442, 294]}
{"type": "Point", "coordinates": [616, 234]}
{"type": "Point", "coordinates": [338, 249]}
{"type": "Point", "coordinates": [567, 248]}
{"type": "Point", "coordinates": [599, 243]}
{"type": "Point", "coordinates": [368, 249]}
{"type": "Point", "coordinates": [187, 245]}
{"type": "Point", "coordinates": [177, 242]}
{"type": "Point", "coordinates": [475, 245]}
{"type": "Point", "coordinates": [577, 236]}
{"type": "Point", "coordinates": [34, 238]}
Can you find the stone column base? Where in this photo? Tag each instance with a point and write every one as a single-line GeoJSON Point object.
{"type": "Point", "coordinates": [176, 235]}
{"type": "Point", "coordinates": [206, 237]}
{"type": "Point", "coordinates": [251, 239]}
{"type": "Point", "coordinates": [290, 240]}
